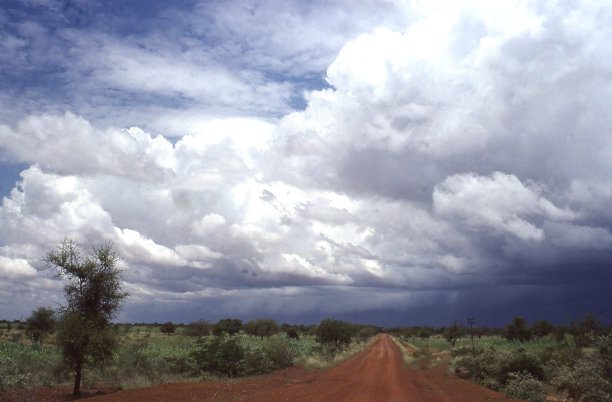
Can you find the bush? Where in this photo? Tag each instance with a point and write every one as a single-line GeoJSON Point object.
{"type": "Point", "coordinates": [133, 360]}
{"type": "Point", "coordinates": [519, 362]}
{"type": "Point", "coordinates": [464, 351]}
{"type": "Point", "coordinates": [280, 352]}
{"type": "Point", "coordinates": [11, 377]}
{"type": "Point", "coordinates": [366, 332]}
{"type": "Point", "coordinates": [256, 361]}
{"type": "Point", "coordinates": [494, 370]}
{"type": "Point", "coordinates": [197, 328]}
{"type": "Point", "coordinates": [589, 379]}
{"type": "Point", "coordinates": [524, 386]}
{"type": "Point", "coordinates": [261, 327]}
{"type": "Point", "coordinates": [219, 355]}
{"type": "Point", "coordinates": [292, 333]}
{"type": "Point", "coordinates": [421, 353]}
{"type": "Point", "coordinates": [230, 326]}
{"type": "Point", "coordinates": [452, 333]}
{"type": "Point", "coordinates": [481, 367]}
{"type": "Point", "coordinates": [518, 330]}
{"type": "Point", "coordinates": [40, 323]}
{"type": "Point", "coordinates": [336, 332]}
{"type": "Point", "coordinates": [168, 328]}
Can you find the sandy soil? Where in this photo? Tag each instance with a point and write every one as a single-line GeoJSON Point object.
{"type": "Point", "coordinates": [376, 374]}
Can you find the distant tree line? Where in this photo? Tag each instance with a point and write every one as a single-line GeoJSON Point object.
{"type": "Point", "coordinates": [581, 330]}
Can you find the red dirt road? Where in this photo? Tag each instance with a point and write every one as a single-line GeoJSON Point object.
{"type": "Point", "coordinates": [376, 374]}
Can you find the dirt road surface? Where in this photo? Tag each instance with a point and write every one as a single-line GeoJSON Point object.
{"type": "Point", "coordinates": [376, 374]}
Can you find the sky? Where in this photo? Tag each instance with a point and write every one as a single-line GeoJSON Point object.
{"type": "Point", "coordinates": [384, 162]}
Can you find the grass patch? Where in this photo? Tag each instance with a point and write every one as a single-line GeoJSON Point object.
{"type": "Point", "coordinates": [322, 358]}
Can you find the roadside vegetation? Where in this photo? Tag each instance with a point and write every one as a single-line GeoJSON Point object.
{"type": "Point", "coordinates": [151, 354]}
{"type": "Point", "coordinates": [568, 362]}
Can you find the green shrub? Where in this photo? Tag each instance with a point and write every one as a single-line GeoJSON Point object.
{"type": "Point", "coordinates": [40, 323]}
{"type": "Point", "coordinates": [519, 362]}
{"type": "Point", "coordinates": [292, 333]}
{"type": "Point", "coordinates": [421, 353]}
{"type": "Point", "coordinates": [494, 370]}
{"type": "Point", "coordinates": [336, 332]}
{"type": "Point", "coordinates": [229, 326]}
{"type": "Point", "coordinates": [518, 330]}
{"type": "Point", "coordinates": [168, 328]}
{"type": "Point", "coordinates": [11, 377]}
{"type": "Point", "coordinates": [366, 332]}
{"type": "Point", "coordinates": [133, 360]}
{"type": "Point", "coordinates": [590, 378]}
{"type": "Point", "coordinates": [197, 328]}
{"type": "Point", "coordinates": [464, 351]}
{"type": "Point", "coordinates": [280, 352]}
{"type": "Point", "coordinates": [256, 361]}
{"type": "Point", "coordinates": [219, 355]}
{"type": "Point", "coordinates": [524, 386]}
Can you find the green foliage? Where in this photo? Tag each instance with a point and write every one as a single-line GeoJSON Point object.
{"type": "Point", "coordinates": [424, 333]}
{"type": "Point", "coordinates": [522, 373]}
{"type": "Point", "coordinates": [229, 326]}
{"type": "Point", "coordinates": [292, 333]}
{"type": "Point", "coordinates": [496, 369]}
{"type": "Point", "coordinates": [168, 328]}
{"type": "Point", "coordinates": [519, 362]}
{"type": "Point", "coordinates": [452, 333]}
{"type": "Point", "coordinates": [560, 331]}
{"type": "Point", "coordinates": [590, 378]}
{"type": "Point", "coordinates": [219, 355]}
{"type": "Point", "coordinates": [132, 359]}
{"type": "Point", "coordinates": [366, 332]}
{"type": "Point", "coordinates": [518, 330]}
{"type": "Point", "coordinates": [280, 352]}
{"type": "Point", "coordinates": [93, 297]}
{"type": "Point", "coordinates": [197, 328]}
{"type": "Point", "coordinates": [524, 386]}
{"type": "Point", "coordinates": [11, 377]}
{"type": "Point", "coordinates": [34, 364]}
{"type": "Point", "coordinates": [262, 327]}
{"type": "Point", "coordinates": [334, 332]}
{"type": "Point", "coordinates": [40, 323]}
{"type": "Point", "coordinates": [463, 351]}
{"type": "Point", "coordinates": [584, 331]}
{"type": "Point", "coordinates": [541, 328]}
{"type": "Point", "coordinates": [480, 368]}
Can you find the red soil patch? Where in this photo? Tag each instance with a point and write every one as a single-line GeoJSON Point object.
{"type": "Point", "coordinates": [376, 374]}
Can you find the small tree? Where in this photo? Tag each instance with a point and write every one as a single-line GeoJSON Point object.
{"type": "Point", "coordinates": [93, 297]}
{"type": "Point", "coordinates": [336, 332]}
{"type": "Point", "coordinates": [168, 328]}
{"type": "Point", "coordinates": [292, 333]}
{"type": "Point", "coordinates": [425, 333]}
{"type": "Point", "coordinates": [230, 326]}
{"type": "Point", "coordinates": [541, 328]}
{"type": "Point", "coordinates": [197, 328]}
{"type": "Point", "coordinates": [518, 330]}
{"type": "Point", "coordinates": [470, 321]}
{"type": "Point", "coordinates": [40, 323]}
{"type": "Point", "coordinates": [452, 333]}
{"type": "Point", "coordinates": [261, 327]}
{"type": "Point", "coordinates": [584, 331]}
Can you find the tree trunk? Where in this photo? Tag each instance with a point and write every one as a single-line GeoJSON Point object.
{"type": "Point", "coordinates": [77, 379]}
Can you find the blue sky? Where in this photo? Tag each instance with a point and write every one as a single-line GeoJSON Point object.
{"type": "Point", "coordinates": [398, 163]}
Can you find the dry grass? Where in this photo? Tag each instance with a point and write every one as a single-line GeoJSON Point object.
{"type": "Point", "coordinates": [321, 361]}
{"type": "Point", "coordinates": [407, 355]}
